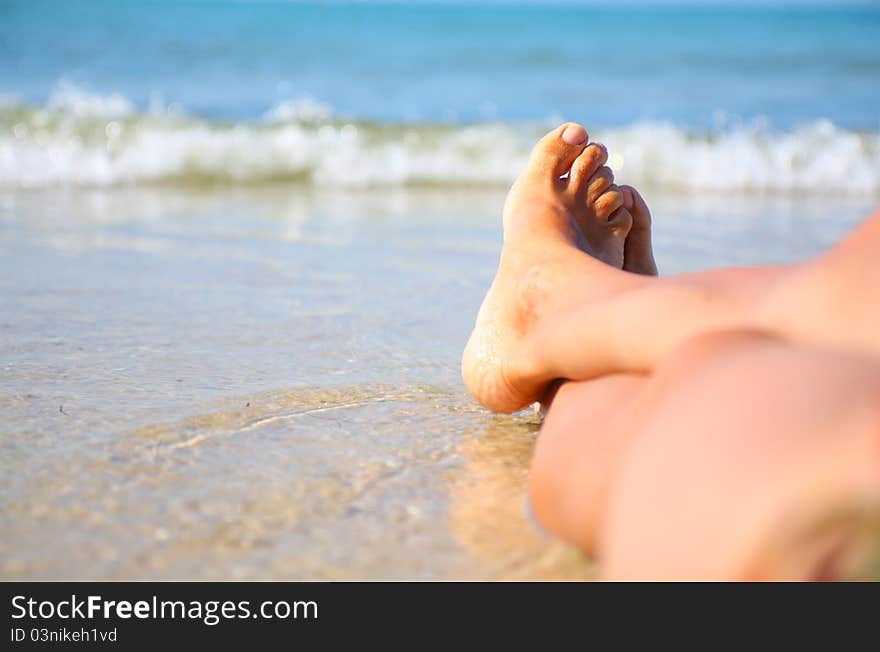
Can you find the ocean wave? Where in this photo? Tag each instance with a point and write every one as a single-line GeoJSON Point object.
{"type": "Point", "coordinates": [77, 139]}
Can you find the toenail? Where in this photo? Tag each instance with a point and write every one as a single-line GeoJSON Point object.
{"type": "Point", "coordinates": [599, 152]}
{"type": "Point", "coordinates": [575, 135]}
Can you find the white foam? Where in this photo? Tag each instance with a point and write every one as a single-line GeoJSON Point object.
{"type": "Point", "coordinates": [304, 108]}
{"type": "Point", "coordinates": [82, 139]}
{"type": "Point", "coordinates": [69, 98]}
{"type": "Point", "coordinates": [817, 157]}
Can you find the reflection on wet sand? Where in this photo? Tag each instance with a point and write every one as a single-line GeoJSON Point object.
{"type": "Point", "coordinates": [341, 483]}
{"type": "Point", "coordinates": [489, 508]}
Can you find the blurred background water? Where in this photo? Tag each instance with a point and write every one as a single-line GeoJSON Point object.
{"type": "Point", "coordinates": [242, 244]}
{"type": "Point", "coordinates": [721, 98]}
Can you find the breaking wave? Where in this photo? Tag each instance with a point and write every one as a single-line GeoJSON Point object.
{"type": "Point", "coordinates": [80, 139]}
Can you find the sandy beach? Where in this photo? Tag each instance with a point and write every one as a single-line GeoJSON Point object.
{"type": "Point", "coordinates": [264, 383]}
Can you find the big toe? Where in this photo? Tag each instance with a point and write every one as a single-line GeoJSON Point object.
{"type": "Point", "coordinates": [554, 154]}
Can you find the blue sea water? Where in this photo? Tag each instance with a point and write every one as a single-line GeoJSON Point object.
{"type": "Point", "coordinates": [763, 85]}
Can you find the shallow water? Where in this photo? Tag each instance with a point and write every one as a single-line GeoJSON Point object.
{"type": "Point", "coordinates": [263, 383]}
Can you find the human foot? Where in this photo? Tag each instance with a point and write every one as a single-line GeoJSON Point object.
{"type": "Point", "coordinates": [565, 204]}
{"type": "Point", "coordinates": [638, 250]}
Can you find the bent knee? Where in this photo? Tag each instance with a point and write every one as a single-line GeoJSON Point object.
{"type": "Point", "coordinates": [579, 445]}
{"type": "Point", "coordinates": [552, 463]}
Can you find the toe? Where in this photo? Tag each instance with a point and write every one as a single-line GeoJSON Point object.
{"type": "Point", "coordinates": [638, 251]}
{"type": "Point", "coordinates": [586, 165]}
{"type": "Point", "coordinates": [628, 197]}
{"type": "Point", "coordinates": [554, 154]}
{"type": "Point", "coordinates": [620, 222]}
{"type": "Point", "coordinates": [608, 202]}
{"type": "Point", "coordinates": [599, 183]}
{"type": "Point", "coordinates": [637, 207]}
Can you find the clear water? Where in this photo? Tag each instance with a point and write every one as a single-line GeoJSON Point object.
{"type": "Point", "coordinates": [242, 244]}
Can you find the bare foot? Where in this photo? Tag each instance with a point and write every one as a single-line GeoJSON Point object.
{"type": "Point", "coordinates": [565, 204]}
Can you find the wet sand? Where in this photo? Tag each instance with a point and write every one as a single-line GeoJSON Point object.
{"type": "Point", "coordinates": [263, 383]}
